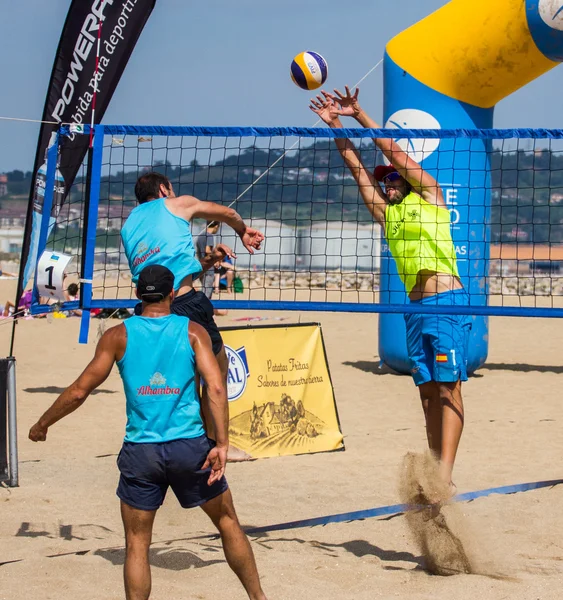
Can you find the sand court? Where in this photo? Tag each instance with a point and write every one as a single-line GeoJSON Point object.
{"type": "Point", "coordinates": [61, 533]}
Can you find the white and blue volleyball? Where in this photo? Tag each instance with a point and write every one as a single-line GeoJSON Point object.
{"type": "Point", "coordinates": [309, 70]}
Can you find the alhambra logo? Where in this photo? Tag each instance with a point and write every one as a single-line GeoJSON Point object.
{"type": "Point", "coordinates": [157, 379]}
{"type": "Point", "coordinates": [157, 387]}
{"type": "Point", "coordinates": [143, 253]}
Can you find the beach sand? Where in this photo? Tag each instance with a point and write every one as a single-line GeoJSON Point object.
{"type": "Point", "coordinates": [61, 534]}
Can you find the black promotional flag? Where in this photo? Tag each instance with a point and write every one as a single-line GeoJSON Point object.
{"type": "Point", "coordinates": [97, 40]}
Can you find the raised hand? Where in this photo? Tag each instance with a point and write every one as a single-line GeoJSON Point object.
{"type": "Point", "coordinates": [251, 239]}
{"type": "Point", "coordinates": [326, 108]}
{"type": "Point", "coordinates": [349, 105]}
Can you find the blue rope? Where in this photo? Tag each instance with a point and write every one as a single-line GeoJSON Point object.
{"type": "Point", "coordinates": [398, 508]}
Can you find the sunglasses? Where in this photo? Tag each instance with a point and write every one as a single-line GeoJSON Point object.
{"type": "Point", "coordinates": [392, 177]}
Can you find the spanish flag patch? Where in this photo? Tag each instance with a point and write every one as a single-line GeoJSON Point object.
{"type": "Point", "coordinates": [441, 358]}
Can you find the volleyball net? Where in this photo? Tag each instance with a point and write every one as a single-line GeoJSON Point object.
{"type": "Point", "coordinates": [322, 250]}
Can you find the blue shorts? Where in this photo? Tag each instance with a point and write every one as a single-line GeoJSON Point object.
{"type": "Point", "coordinates": [437, 344]}
{"type": "Point", "coordinates": [148, 469]}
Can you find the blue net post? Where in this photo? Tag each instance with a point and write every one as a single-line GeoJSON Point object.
{"type": "Point", "coordinates": [94, 174]}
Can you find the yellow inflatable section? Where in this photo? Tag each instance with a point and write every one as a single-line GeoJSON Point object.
{"type": "Point", "coordinates": [475, 51]}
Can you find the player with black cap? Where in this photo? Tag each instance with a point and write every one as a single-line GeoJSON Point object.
{"type": "Point", "coordinates": [158, 355]}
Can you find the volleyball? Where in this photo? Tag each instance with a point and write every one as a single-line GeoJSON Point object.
{"type": "Point", "coordinates": [309, 70]}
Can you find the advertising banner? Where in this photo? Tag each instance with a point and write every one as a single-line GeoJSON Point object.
{"type": "Point", "coordinates": [97, 40]}
{"type": "Point", "coordinates": [281, 399]}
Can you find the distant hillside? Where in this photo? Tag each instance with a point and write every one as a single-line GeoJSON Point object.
{"type": "Point", "coordinates": [312, 184]}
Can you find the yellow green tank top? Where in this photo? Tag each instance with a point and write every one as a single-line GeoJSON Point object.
{"type": "Point", "coordinates": [419, 238]}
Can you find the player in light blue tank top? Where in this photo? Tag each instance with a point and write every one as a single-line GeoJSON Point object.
{"type": "Point", "coordinates": [152, 235]}
{"type": "Point", "coordinates": [162, 401]}
{"type": "Point", "coordinates": [158, 231]}
{"type": "Point", "coordinates": [165, 445]}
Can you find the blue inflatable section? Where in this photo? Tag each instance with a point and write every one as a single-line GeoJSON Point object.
{"type": "Point", "coordinates": [461, 167]}
{"type": "Point", "coordinates": [546, 36]}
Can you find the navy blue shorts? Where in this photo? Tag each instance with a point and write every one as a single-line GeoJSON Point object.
{"type": "Point", "coordinates": [438, 344]}
{"type": "Point", "coordinates": [147, 470]}
{"type": "Point", "coordinates": [196, 306]}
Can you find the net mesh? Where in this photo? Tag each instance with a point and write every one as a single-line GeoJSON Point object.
{"type": "Point", "coordinates": [322, 244]}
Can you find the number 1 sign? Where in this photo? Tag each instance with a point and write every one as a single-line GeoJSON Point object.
{"type": "Point", "coordinates": [50, 274]}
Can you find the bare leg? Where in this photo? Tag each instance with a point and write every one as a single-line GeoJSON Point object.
{"type": "Point", "coordinates": [218, 312]}
{"type": "Point", "coordinates": [234, 454]}
{"type": "Point", "coordinates": [7, 307]}
{"type": "Point", "coordinates": [432, 406]}
{"type": "Point", "coordinates": [138, 534]}
{"type": "Point", "coordinates": [236, 546]}
{"type": "Point", "coordinates": [230, 276]}
{"type": "Point", "coordinates": [452, 426]}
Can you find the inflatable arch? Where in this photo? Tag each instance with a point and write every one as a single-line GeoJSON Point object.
{"type": "Point", "coordinates": [445, 72]}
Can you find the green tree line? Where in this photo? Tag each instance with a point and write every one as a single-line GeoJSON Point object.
{"type": "Point", "coordinates": [312, 184]}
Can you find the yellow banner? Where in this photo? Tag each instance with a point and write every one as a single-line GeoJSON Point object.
{"type": "Point", "coordinates": [281, 399]}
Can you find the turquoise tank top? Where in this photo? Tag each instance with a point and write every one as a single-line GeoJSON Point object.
{"type": "Point", "coordinates": [152, 235]}
{"type": "Point", "coordinates": [158, 372]}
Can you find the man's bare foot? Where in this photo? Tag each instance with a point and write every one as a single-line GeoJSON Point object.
{"type": "Point", "coordinates": [220, 312]}
{"type": "Point", "coordinates": [235, 454]}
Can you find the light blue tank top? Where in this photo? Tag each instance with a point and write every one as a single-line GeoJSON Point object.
{"type": "Point", "coordinates": [158, 372]}
{"type": "Point", "coordinates": [152, 235]}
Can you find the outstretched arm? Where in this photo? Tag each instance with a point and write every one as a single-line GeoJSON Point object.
{"type": "Point", "coordinates": [216, 397]}
{"type": "Point", "coordinates": [191, 208]}
{"type": "Point", "coordinates": [94, 375]}
{"type": "Point", "coordinates": [370, 190]}
{"type": "Point", "coordinates": [421, 181]}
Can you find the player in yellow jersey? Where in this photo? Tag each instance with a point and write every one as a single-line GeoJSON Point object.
{"type": "Point", "coordinates": [411, 209]}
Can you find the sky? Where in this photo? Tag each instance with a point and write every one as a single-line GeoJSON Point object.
{"type": "Point", "coordinates": [226, 62]}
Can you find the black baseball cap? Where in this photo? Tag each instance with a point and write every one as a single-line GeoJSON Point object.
{"type": "Point", "coordinates": [155, 283]}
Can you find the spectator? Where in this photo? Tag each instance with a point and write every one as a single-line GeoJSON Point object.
{"type": "Point", "coordinates": [23, 306]}
{"type": "Point", "coordinates": [71, 295]}
{"type": "Point", "coordinates": [6, 274]}
{"type": "Point", "coordinates": [224, 275]}
{"type": "Point", "coordinates": [205, 242]}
